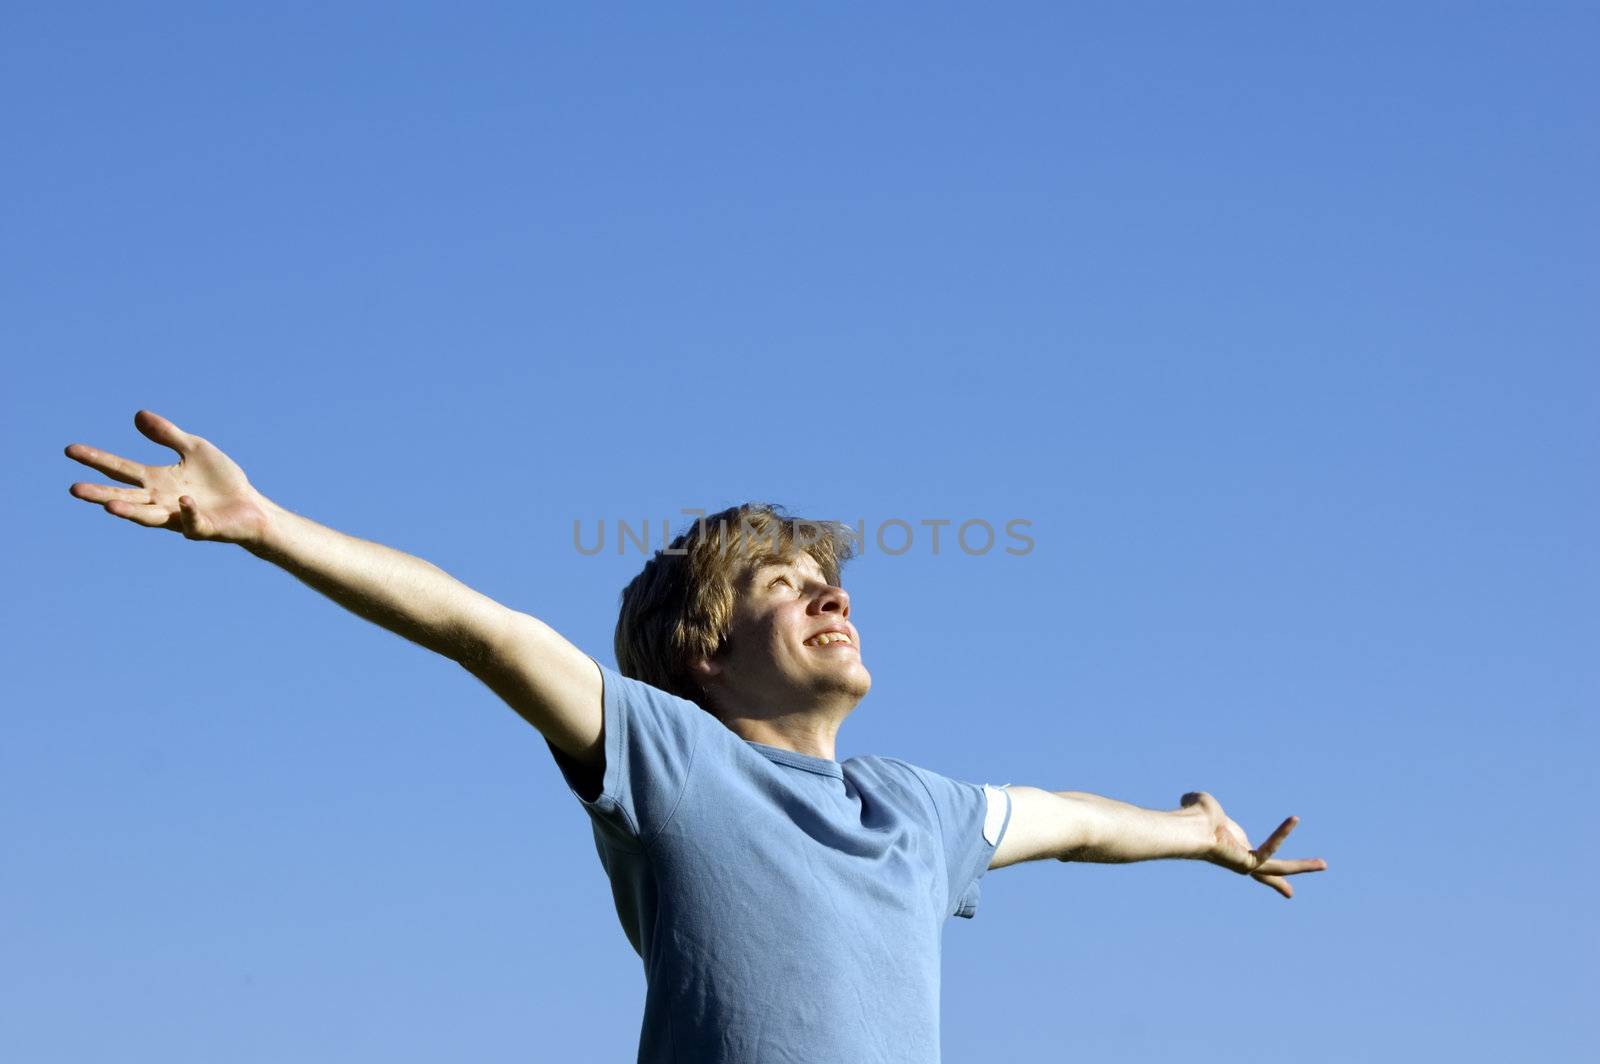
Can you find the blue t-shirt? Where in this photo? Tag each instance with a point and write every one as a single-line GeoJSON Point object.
{"type": "Point", "coordinates": [787, 908]}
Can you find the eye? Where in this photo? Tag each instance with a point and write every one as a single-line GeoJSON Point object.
{"type": "Point", "coordinates": [780, 580]}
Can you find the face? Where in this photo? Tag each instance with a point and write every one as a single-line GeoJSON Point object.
{"type": "Point", "coordinates": [784, 651]}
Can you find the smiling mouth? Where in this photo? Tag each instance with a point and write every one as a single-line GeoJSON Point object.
{"type": "Point", "coordinates": [828, 639]}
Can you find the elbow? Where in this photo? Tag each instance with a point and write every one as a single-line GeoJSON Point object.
{"type": "Point", "coordinates": [480, 640]}
{"type": "Point", "coordinates": [1083, 833]}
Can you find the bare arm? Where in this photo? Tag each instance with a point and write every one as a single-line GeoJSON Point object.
{"type": "Point", "coordinates": [1074, 826]}
{"type": "Point", "coordinates": [411, 597]}
{"type": "Point", "coordinates": [549, 682]}
{"type": "Point", "coordinates": [206, 496]}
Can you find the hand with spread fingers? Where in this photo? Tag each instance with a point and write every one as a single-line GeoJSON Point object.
{"type": "Point", "coordinates": [1230, 847]}
{"type": "Point", "coordinates": [204, 496]}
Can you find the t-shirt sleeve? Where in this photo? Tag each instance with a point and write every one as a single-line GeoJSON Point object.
{"type": "Point", "coordinates": [972, 820]}
{"type": "Point", "coordinates": [650, 739]}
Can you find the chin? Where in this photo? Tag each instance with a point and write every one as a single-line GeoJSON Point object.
{"type": "Point", "coordinates": [866, 679]}
{"type": "Point", "coordinates": [856, 681]}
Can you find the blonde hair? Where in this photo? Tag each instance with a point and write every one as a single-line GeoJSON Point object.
{"type": "Point", "coordinates": [680, 606]}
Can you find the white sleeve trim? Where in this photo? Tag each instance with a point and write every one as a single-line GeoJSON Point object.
{"type": "Point", "coordinates": [994, 817]}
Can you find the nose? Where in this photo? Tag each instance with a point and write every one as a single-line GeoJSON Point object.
{"type": "Point", "coordinates": [832, 600]}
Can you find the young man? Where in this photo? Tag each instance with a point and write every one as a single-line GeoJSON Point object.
{"type": "Point", "coordinates": [787, 906]}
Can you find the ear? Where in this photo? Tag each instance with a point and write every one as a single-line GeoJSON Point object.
{"type": "Point", "coordinates": [706, 668]}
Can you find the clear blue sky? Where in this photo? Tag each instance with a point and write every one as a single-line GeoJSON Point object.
{"type": "Point", "coordinates": [1278, 325]}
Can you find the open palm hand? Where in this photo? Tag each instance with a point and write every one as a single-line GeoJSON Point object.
{"type": "Point", "coordinates": [204, 496]}
{"type": "Point", "coordinates": [1230, 847]}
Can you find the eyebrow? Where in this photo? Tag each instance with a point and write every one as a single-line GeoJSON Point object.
{"type": "Point", "coordinates": [789, 566]}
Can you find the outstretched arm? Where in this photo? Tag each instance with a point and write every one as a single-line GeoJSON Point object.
{"type": "Point", "coordinates": [206, 496]}
{"type": "Point", "coordinates": [1073, 826]}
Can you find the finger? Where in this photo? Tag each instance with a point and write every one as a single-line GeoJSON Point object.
{"type": "Point", "coordinates": [1293, 868]}
{"type": "Point", "coordinates": [1235, 861]}
{"type": "Point", "coordinates": [149, 516]}
{"type": "Point", "coordinates": [113, 466]}
{"type": "Point", "coordinates": [163, 431]}
{"type": "Point", "coordinates": [105, 493]}
{"type": "Point", "coordinates": [1276, 883]}
{"type": "Point", "coordinates": [1268, 848]}
{"type": "Point", "coordinates": [195, 526]}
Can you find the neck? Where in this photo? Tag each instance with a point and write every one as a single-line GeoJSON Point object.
{"type": "Point", "coordinates": [805, 722]}
{"type": "Point", "coordinates": [801, 733]}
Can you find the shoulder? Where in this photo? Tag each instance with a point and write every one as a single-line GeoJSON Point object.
{"type": "Point", "coordinates": [636, 699]}
{"type": "Point", "coordinates": [647, 729]}
{"type": "Point", "coordinates": [953, 800]}
{"type": "Point", "coordinates": [875, 772]}
{"type": "Point", "coordinates": [618, 685]}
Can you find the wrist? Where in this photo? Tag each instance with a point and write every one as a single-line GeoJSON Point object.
{"type": "Point", "coordinates": [266, 533]}
{"type": "Point", "coordinates": [1195, 831]}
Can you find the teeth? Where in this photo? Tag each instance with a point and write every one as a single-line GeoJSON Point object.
{"type": "Point", "coordinates": [828, 637]}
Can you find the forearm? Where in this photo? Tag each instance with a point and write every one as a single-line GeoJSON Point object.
{"type": "Point", "coordinates": [1107, 831]}
{"type": "Point", "coordinates": [409, 596]}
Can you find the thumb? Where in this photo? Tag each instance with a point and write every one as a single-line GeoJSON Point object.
{"type": "Point", "coordinates": [163, 431]}
{"type": "Point", "coordinates": [195, 526]}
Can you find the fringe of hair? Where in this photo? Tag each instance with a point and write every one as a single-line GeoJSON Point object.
{"type": "Point", "coordinates": [679, 608]}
